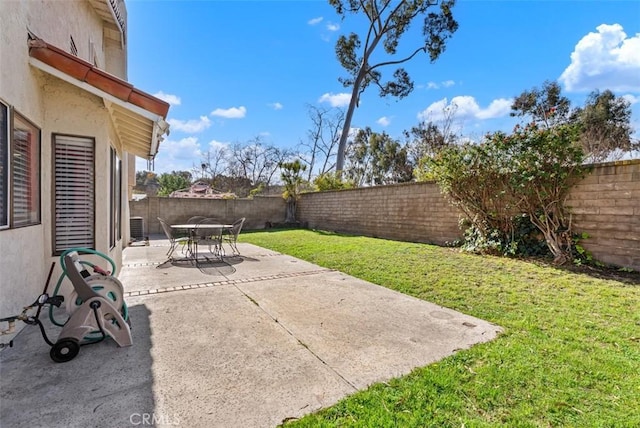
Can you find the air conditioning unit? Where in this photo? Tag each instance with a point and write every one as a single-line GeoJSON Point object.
{"type": "Point", "coordinates": [136, 228]}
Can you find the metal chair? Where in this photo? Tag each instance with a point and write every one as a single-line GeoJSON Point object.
{"type": "Point", "coordinates": [195, 219]}
{"type": "Point", "coordinates": [208, 236]}
{"type": "Point", "coordinates": [173, 240]}
{"type": "Point", "coordinates": [230, 236]}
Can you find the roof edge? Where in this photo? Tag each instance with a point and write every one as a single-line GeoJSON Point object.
{"type": "Point", "coordinates": [86, 72]}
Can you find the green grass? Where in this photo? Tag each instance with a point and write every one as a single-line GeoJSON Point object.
{"type": "Point", "coordinates": [569, 355]}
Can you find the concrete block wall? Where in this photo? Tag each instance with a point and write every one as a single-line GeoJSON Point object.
{"type": "Point", "coordinates": [415, 212]}
{"type": "Point", "coordinates": [257, 211]}
{"type": "Point", "coordinates": [606, 205]}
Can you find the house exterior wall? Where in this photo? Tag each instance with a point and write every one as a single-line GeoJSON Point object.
{"type": "Point", "coordinates": [54, 106]}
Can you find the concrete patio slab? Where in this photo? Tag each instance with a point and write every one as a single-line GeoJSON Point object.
{"type": "Point", "coordinates": [250, 342]}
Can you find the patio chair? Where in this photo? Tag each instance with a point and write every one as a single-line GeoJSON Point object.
{"type": "Point", "coordinates": [196, 219]}
{"type": "Point", "coordinates": [173, 240]}
{"type": "Point", "coordinates": [209, 237]}
{"type": "Point", "coordinates": [230, 236]}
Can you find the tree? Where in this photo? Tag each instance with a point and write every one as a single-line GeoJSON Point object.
{"type": "Point", "coordinates": [604, 121]}
{"type": "Point", "coordinates": [176, 180]}
{"type": "Point", "coordinates": [374, 159]}
{"type": "Point", "coordinates": [256, 161]}
{"type": "Point", "coordinates": [332, 181]}
{"type": "Point", "coordinates": [292, 178]}
{"type": "Point", "coordinates": [387, 22]}
{"type": "Point", "coordinates": [544, 106]}
{"type": "Point", "coordinates": [604, 125]}
{"type": "Point", "coordinates": [143, 178]}
{"type": "Point", "coordinates": [214, 161]}
{"type": "Point", "coordinates": [529, 172]}
{"type": "Point", "coordinates": [428, 138]}
{"type": "Point", "coordinates": [542, 166]}
{"type": "Point", "coordinates": [322, 140]}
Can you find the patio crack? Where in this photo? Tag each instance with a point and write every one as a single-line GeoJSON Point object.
{"type": "Point", "coordinates": [300, 342]}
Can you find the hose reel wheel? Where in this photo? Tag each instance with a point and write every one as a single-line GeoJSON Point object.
{"type": "Point", "coordinates": [108, 287]}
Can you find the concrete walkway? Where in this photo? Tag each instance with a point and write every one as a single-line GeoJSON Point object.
{"type": "Point", "coordinates": [250, 342]}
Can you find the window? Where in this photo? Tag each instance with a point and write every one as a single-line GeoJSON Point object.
{"type": "Point", "coordinates": [25, 173]}
{"type": "Point", "coordinates": [19, 170]}
{"type": "Point", "coordinates": [115, 208]}
{"type": "Point", "coordinates": [74, 208]}
{"type": "Point", "coordinates": [4, 166]}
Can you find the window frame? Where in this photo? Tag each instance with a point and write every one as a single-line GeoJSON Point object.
{"type": "Point", "coordinates": [115, 200]}
{"type": "Point", "coordinates": [36, 184]}
{"type": "Point", "coordinates": [5, 167]}
{"type": "Point", "coordinates": [56, 238]}
{"type": "Point", "coordinates": [22, 208]}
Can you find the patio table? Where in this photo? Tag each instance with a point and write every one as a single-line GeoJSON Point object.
{"type": "Point", "coordinates": [215, 229]}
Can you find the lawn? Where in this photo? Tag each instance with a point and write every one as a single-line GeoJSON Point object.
{"type": "Point", "coordinates": [569, 355]}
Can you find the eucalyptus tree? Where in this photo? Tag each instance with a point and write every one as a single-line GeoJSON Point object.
{"type": "Point", "coordinates": [605, 125]}
{"type": "Point", "coordinates": [604, 122]}
{"type": "Point", "coordinates": [545, 106]}
{"type": "Point", "coordinates": [375, 159]}
{"type": "Point", "coordinates": [387, 22]}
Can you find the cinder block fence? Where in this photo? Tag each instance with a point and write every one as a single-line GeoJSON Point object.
{"type": "Point", "coordinates": [605, 205]}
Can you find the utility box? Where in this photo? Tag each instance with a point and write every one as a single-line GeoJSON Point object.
{"type": "Point", "coordinates": [136, 228]}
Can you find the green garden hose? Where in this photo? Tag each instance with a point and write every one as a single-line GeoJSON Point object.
{"type": "Point", "coordinates": [81, 250]}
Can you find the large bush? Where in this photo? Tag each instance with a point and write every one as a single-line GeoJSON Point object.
{"type": "Point", "coordinates": [528, 172]}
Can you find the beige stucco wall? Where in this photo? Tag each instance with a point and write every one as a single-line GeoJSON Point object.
{"type": "Point", "coordinates": [54, 106]}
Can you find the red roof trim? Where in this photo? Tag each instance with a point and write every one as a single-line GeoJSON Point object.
{"type": "Point", "coordinates": [86, 72]}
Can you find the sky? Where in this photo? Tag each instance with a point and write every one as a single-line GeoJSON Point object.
{"type": "Point", "coordinates": [236, 70]}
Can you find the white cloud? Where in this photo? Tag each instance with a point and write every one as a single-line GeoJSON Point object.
{"type": "Point", "coordinates": [333, 27]}
{"type": "Point", "coordinates": [315, 21]}
{"type": "Point", "coordinates": [353, 132]}
{"type": "Point", "coordinates": [190, 126]}
{"type": "Point", "coordinates": [444, 84]}
{"type": "Point", "coordinates": [230, 113]}
{"type": "Point", "coordinates": [498, 108]}
{"type": "Point", "coordinates": [336, 100]}
{"type": "Point", "coordinates": [466, 107]}
{"type": "Point", "coordinates": [216, 145]}
{"type": "Point", "coordinates": [174, 100]}
{"type": "Point", "coordinates": [607, 59]}
{"type": "Point", "coordinates": [174, 155]}
{"type": "Point", "coordinates": [384, 121]}
{"type": "Point", "coordinates": [276, 106]}
{"type": "Point", "coordinates": [632, 99]}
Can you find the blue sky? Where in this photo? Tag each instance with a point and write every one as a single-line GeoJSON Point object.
{"type": "Point", "coordinates": [235, 70]}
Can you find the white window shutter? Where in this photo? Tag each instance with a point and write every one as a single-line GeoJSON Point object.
{"type": "Point", "coordinates": [74, 193]}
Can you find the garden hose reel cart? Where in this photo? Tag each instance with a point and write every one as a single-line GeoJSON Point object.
{"type": "Point", "coordinates": [95, 304]}
{"type": "Point", "coordinates": [95, 308]}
